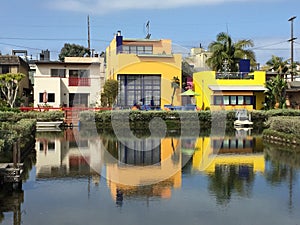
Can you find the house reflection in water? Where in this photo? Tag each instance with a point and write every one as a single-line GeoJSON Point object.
{"type": "Point", "coordinates": [68, 154]}
{"type": "Point", "coordinates": [149, 170]}
{"type": "Point", "coordinates": [213, 152]}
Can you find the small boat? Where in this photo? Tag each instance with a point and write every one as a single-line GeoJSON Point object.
{"type": "Point", "coordinates": [48, 125]}
{"type": "Point", "coordinates": [243, 119]}
{"type": "Point", "coordinates": [242, 123]}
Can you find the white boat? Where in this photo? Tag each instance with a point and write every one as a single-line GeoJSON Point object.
{"type": "Point", "coordinates": [241, 123]}
{"type": "Point", "coordinates": [54, 124]}
{"type": "Point", "coordinates": [243, 119]}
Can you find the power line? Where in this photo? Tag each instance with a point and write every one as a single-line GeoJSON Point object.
{"type": "Point", "coordinates": [50, 39]}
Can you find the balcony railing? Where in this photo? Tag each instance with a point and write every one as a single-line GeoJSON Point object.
{"type": "Point", "coordinates": [79, 81]}
{"type": "Point", "coordinates": [234, 76]}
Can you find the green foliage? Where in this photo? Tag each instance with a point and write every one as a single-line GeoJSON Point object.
{"type": "Point", "coordinates": [278, 64]}
{"type": "Point", "coordinates": [9, 84]}
{"type": "Point", "coordinates": [110, 93]}
{"type": "Point", "coordinates": [73, 50]}
{"type": "Point", "coordinates": [285, 124]}
{"type": "Point", "coordinates": [225, 49]}
{"type": "Point", "coordinates": [11, 132]}
{"type": "Point", "coordinates": [39, 116]}
{"type": "Point", "coordinates": [276, 92]}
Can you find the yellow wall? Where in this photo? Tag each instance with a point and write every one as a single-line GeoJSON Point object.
{"type": "Point", "coordinates": [164, 176]}
{"type": "Point", "coordinates": [205, 160]}
{"type": "Point", "coordinates": [202, 81]}
{"type": "Point", "coordinates": [167, 66]}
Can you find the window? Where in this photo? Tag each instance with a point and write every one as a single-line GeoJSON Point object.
{"type": "Point", "coordinates": [140, 49]}
{"type": "Point", "coordinates": [226, 100]}
{"type": "Point", "coordinates": [50, 97]}
{"type": "Point", "coordinates": [78, 99]}
{"type": "Point", "coordinates": [58, 73]}
{"type": "Point", "coordinates": [240, 100]}
{"type": "Point", "coordinates": [139, 89]}
{"type": "Point", "coordinates": [233, 100]}
{"type": "Point", "coordinates": [79, 73]}
{"type": "Point", "coordinates": [142, 152]}
{"type": "Point", "coordinates": [218, 100]}
{"type": "Point", "coordinates": [4, 69]}
{"type": "Point", "coordinates": [248, 100]}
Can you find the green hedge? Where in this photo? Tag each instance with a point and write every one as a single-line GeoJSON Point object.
{"type": "Point", "coordinates": [173, 119]}
{"type": "Point", "coordinates": [24, 130]}
{"type": "Point", "coordinates": [283, 129]}
{"type": "Point", "coordinates": [39, 116]}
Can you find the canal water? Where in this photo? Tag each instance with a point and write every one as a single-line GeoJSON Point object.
{"type": "Point", "coordinates": [79, 178]}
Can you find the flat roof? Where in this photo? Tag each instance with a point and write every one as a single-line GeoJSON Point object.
{"type": "Point", "coordinates": [141, 39]}
{"type": "Point", "coordinates": [237, 87]}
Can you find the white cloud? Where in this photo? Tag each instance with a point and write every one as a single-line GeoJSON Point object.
{"type": "Point", "coordinates": [104, 6]}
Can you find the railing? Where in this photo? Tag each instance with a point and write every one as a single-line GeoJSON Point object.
{"type": "Point", "coordinates": [74, 81]}
{"type": "Point", "coordinates": [42, 108]}
{"type": "Point", "coordinates": [234, 75]}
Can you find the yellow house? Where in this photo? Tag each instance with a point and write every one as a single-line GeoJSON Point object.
{"type": "Point", "coordinates": [144, 69]}
{"type": "Point", "coordinates": [230, 91]}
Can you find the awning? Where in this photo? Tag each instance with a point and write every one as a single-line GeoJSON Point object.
{"type": "Point", "coordinates": [237, 88]}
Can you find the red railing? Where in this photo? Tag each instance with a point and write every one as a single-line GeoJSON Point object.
{"type": "Point", "coordinates": [74, 81]}
{"type": "Point", "coordinates": [42, 109]}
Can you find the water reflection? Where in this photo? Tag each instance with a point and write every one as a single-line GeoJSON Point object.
{"type": "Point", "coordinates": [12, 195]}
{"type": "Point", "coordinates": [237, 170]}
{"type": "Point", "coordinates": [67, 155]}
{"type": "Point", "coordinates": [230, 162]}
{"type": "Point", "coordinates": [284, 164]}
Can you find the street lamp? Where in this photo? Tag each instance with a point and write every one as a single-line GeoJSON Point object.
{"type": "Point", "coordinates": [292, 46]}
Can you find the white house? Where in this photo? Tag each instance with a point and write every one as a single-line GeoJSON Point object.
{"type": "Point", "coordinates": [75, 82]}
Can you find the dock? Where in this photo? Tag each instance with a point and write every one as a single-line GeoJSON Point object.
{"type": "Point", "coordinates": [11, 172]}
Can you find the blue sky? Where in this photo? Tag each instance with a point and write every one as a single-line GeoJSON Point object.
{"type": "Point", "coordinates": [48, 24]}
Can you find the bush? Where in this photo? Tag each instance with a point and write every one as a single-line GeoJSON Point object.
{"type": "Point", "coordinates": [11, 132]}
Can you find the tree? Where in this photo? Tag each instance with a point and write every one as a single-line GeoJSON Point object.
{"type": "Point", "coordinates": [174, 84]}
{"type": "Point", "coordinates": [278, 65]}
{"type": "Point", "coordinates": [276, 92]}
{"type": "Point", "coordinates": [225, 49]}
{"type": "Point", "coordinates": [73, 50]}
{"type": "Point", "coordinates": [110, 92]}
{"type": "Point", "coordinates": [9, 84]}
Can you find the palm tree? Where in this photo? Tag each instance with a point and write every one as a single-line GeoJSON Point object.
{"type": "Point", "coordinates": [175, 83]}
{"type": "Point", "coordinates": [277, 64]}
{"type": "Point", "coordinates": [225, 49]}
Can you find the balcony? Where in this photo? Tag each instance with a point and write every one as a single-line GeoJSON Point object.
{"type": "Point", "coordinates": [234, 76]}
{"type": "Point", "coordinates": [74, 81]}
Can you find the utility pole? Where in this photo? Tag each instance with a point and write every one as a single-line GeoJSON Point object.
{"type": "Point", "coordinates": [89, 35]}
{"type": "Point", "coordinates": [292, 46]}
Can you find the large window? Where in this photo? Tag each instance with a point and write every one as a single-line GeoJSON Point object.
{"type": "Point", "coordinates": [58, 73]}
{"type": "Point", "coordinates": [148, 49]}
{"type": "Point", "coordinates": [233, 100]}
{"type": "Point", "coordinates": [78, 99]}
{"type": "Point", "coordinates": [139, 89]}
{"type": "Point", "coordinates": [144, 152]}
